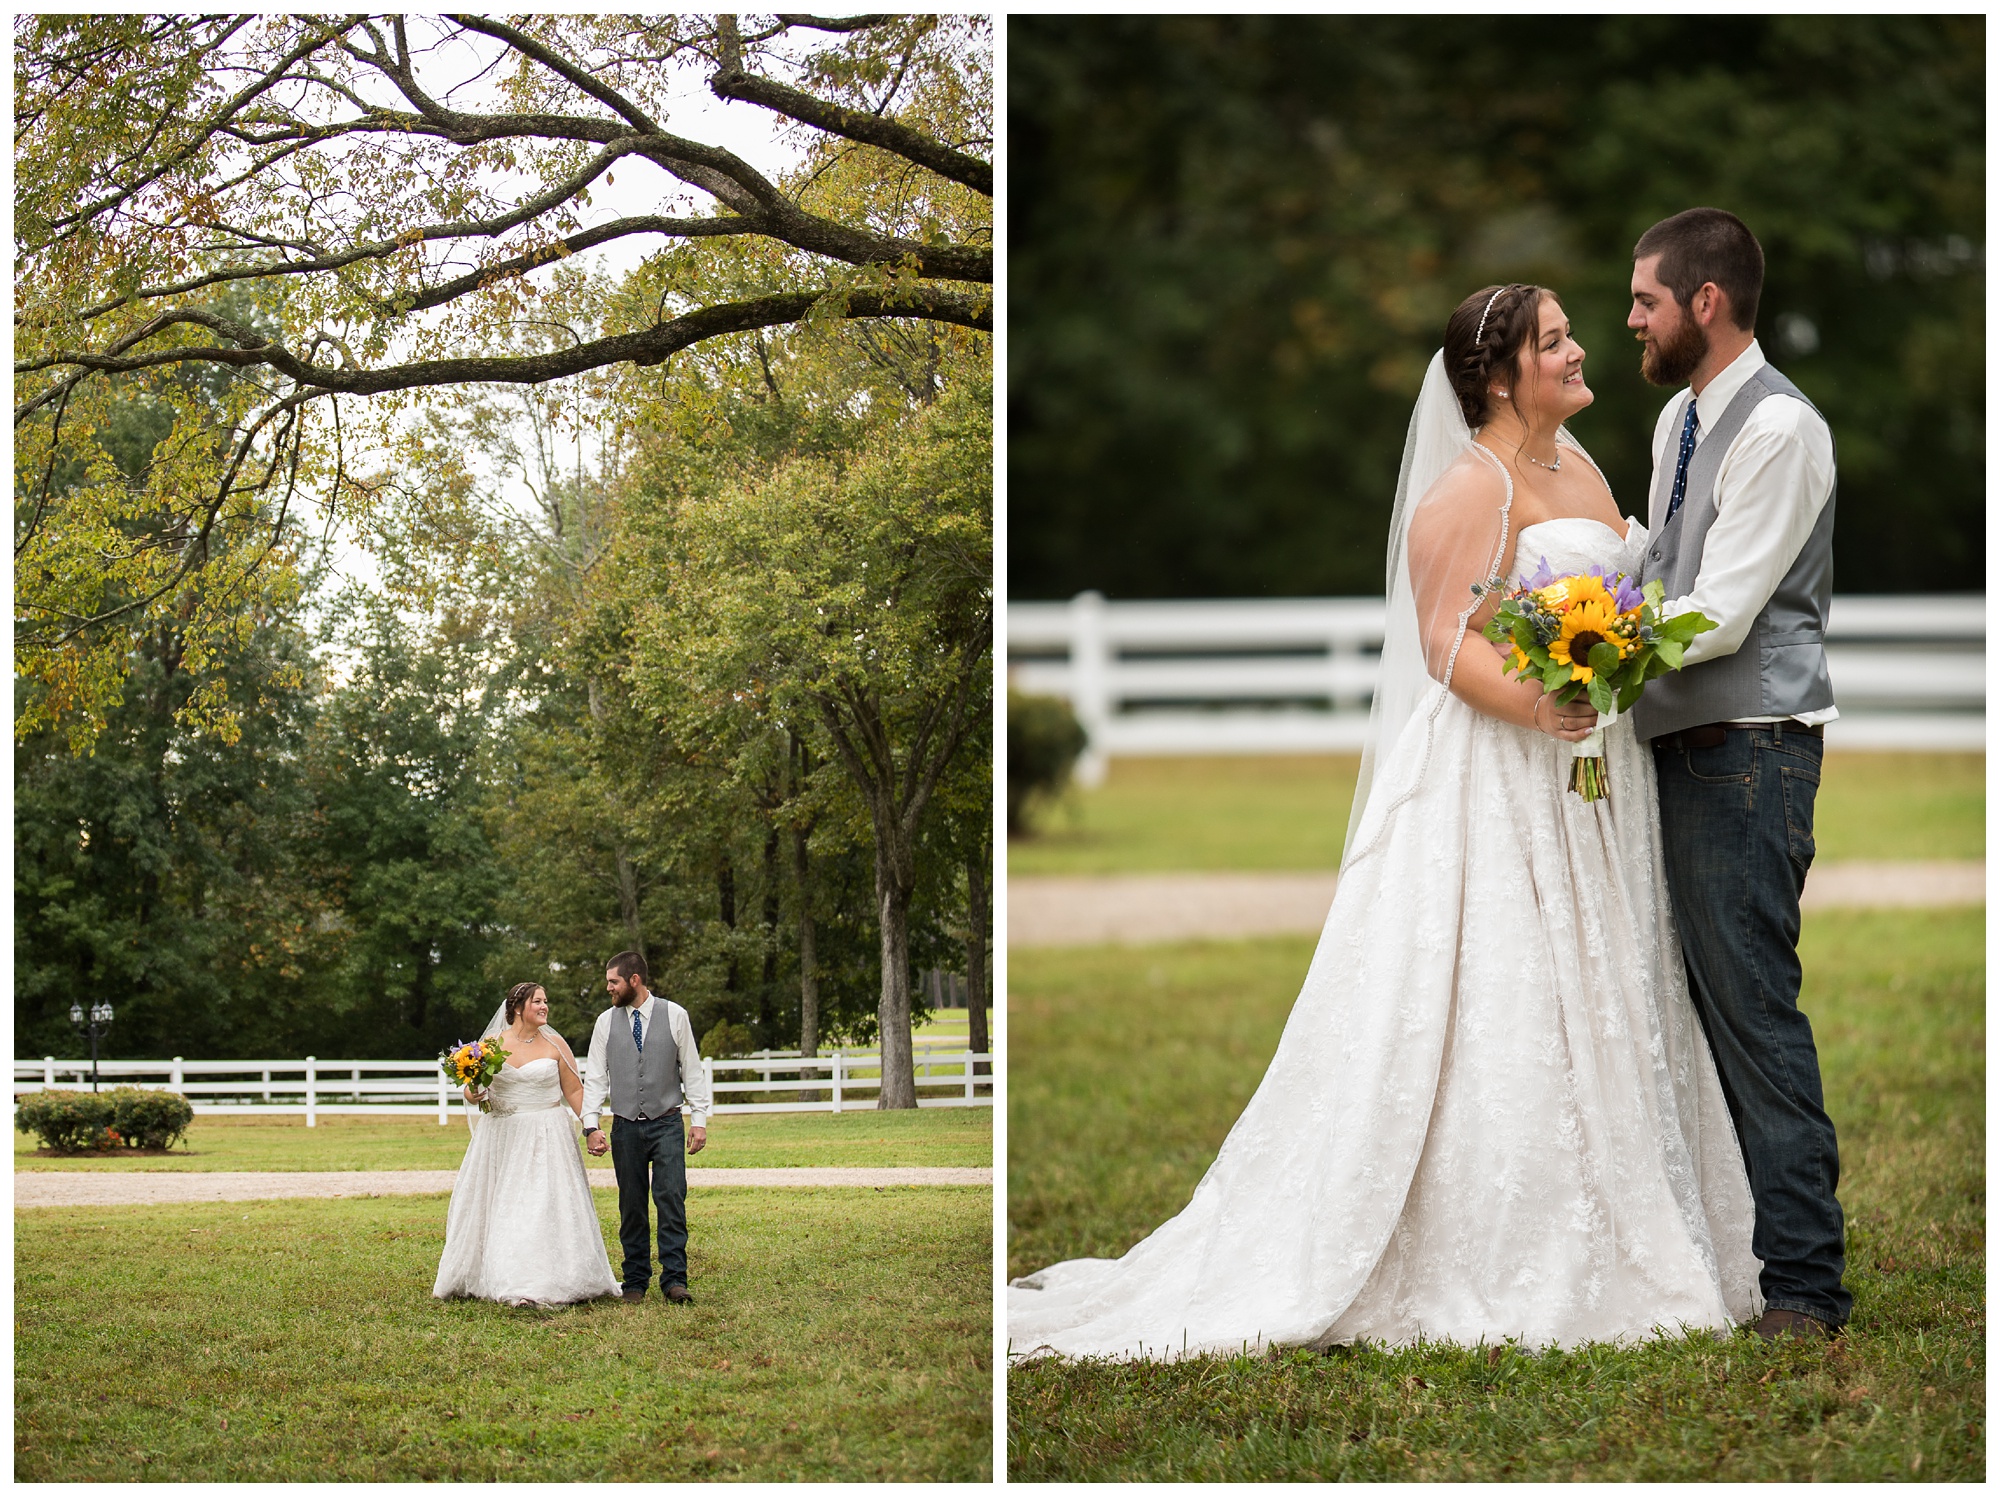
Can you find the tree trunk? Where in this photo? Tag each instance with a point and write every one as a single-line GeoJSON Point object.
{"type": "Point", "coordinates": [628, 900]}
{"type": "Point", "coordinates": [892, 1013]}
{"type": "Point", "coordinates": [976, 914]}
{"type": "Point", "coordinates": [767, 1018]}
{"type": "Point", "coordinates": [725, 892]}
{"type": "Point", "coordinates": [808, 958]}
{"type": "Point", "coordinates": [628, 876]}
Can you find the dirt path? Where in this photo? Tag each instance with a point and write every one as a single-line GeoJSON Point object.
{"type": "Point", "coordinates": [164, 1188]}
{"type": "Point", "coordinates": [1142, 908]}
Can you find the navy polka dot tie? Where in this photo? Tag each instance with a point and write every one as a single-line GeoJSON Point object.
{"type": "Point", "coordinates": [1687, 451]}
{"type": "Point", "coordinates": [639, 1040]}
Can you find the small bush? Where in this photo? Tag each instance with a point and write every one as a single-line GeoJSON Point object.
{"type": "Point", "coordinates": [1043, 741]}
{"type": "Point", "coordinates": [66, 1122]}
{"type": "Point", "coordinates": [727, 1040]}
{"type": "Point", "coordinates": [150, 1119]}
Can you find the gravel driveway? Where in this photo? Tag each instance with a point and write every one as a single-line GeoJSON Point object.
{"type": "Point", "coordinates": [1137, 909]}
{"type": "Point", "coordinates": [165, 1188]}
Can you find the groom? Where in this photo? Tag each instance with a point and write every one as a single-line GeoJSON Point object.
{"type": "Point", "coordinates": [1742, 530]}
{"type": "Point", "coordinates": [643, 1058]}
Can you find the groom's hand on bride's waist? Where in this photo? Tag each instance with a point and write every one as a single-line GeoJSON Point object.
{"type": "Point", "coordinates": [697, 1138]}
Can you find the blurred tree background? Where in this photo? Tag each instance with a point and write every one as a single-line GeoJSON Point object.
{"type": "Point", "coordinates": [1235, 241]}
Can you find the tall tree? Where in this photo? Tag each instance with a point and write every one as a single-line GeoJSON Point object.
{"type": "Point", "coordinates": [397, 196]}
{"type": "Point", "coordinates": [854, 594]}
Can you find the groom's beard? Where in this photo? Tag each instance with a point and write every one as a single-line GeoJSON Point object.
{"type": "Point", "coordinates": [1672, 361]}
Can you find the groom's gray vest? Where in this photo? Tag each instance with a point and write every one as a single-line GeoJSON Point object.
{"type": "Point", "coordinates": [648, 1084]}
{"type": "Point", "coordinates": [1780, 668]}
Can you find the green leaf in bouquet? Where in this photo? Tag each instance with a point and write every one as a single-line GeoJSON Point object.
{"type": "Point", "coordinates": [1669, 652]}
{"type": "Point", "coordinates": [1655, 592]}
{"type": "Point", "coordinates": [1556, 676]}
{"type": "Point", "coordinates": [1600, 694]}
{"type": "Point", "coordinates": [1684, 627]}
{"type": "Point", "coordinates": [1603, 658]}
{"type": "Point", "coordinates": [1629, 694]}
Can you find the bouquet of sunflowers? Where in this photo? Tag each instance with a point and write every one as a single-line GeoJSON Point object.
{"type": "Point", "coordinates": [1592, 634]}
{"type": "Point", "coordinates": [474, 1065]}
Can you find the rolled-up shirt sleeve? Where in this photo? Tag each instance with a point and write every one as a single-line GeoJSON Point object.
{"type": "Point", "coordinates": [596, 1078]}
{"type": "Point", "coordinates": [1774, 483]}
{"type": "Point", "coordinates": [694, 1076]}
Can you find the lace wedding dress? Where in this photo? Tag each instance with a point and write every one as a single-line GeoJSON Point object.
{"type": "Point", "coordinates": [522, 1225]}
{"type": "Point", "coordinates": [1492, 1113]}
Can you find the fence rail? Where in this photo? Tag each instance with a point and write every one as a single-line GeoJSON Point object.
{"type": "Point", "coordinates": [1295, 675]}
{"type": "Point", "coordinates": [946, 1077]}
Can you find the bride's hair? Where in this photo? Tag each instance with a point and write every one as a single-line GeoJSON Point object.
{"type": "Point", "coordinates": [518, 996]}
{"type": "Point", "coordinates": [1474, 354]}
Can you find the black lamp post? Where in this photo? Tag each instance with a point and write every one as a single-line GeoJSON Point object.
{"type": "Point", "coordinates": [100, 1020]}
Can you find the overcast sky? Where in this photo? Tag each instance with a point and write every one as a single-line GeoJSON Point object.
{"type": "Point", "coordinates": [637, 187]}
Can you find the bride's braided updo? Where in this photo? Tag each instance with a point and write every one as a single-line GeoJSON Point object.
{"type": "Point", "coordinates": [518, 996]}
{"type": "Point", "coordinates": [1482, 341]}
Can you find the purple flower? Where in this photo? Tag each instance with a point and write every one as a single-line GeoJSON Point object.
{"type": "Point", "coordinates": [1628, 596]}
{"type": "Point", "coordinates": [1542, 577]}
{"type": "Point", "coordinates": [1623, 592]}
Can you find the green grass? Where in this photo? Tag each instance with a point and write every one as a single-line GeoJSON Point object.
{"type": "Point", "coordinates": [836, 1335]}
{"type": "Point", "coordinates": [927, 1136]}
{"type": "Point", "coordinates": [1166, 815]}
{"type": "Point", "coordinates": [1128, 1068]}
{"type": "Point", "coordinates": [1901, 806]}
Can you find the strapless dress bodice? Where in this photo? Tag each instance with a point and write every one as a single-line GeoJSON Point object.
{"type": "Point", "coordinates": [1574, 544]}
{"type": "Point", "coordinates": [526, 1088]}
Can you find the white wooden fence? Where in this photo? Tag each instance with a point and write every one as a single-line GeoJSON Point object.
{"type": "Point", "coordinates": [1294, 675]}
{"type": "Point", "coordinates": [842, 1080]}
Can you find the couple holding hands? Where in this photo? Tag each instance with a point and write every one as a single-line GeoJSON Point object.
{"type": "Point", "coordinates": [522, 1228]}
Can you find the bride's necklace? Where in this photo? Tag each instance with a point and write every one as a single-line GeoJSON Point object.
{"type": "Point", "coordinates": [1554, 467]}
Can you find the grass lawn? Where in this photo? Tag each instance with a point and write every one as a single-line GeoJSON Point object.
{"type": "Point", "coordinates": [1253, 813]}
{"type": "Point", "coordinates": [342, 1141]}
{"type": "Point", "coordinates": [838, 1335]}
{"type": "Point", "coordinates": [1128, 1068]}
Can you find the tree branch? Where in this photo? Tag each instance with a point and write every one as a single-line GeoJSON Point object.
{"type": "Point", "coordinates": [652, 346]}
{"type": "Point", "coordinates": [732, 82]}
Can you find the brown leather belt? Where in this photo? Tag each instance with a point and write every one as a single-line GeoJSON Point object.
{"type": "Point", "coordinates": [1711, 735]}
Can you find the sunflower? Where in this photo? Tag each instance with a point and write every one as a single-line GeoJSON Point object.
{"type": "Point", "coordinates": [1570, 591]}
{"type": "Point", "coordinates": [1585, 626]}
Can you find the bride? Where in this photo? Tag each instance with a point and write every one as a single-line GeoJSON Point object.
{"type": "Point", "coordinates": [1492, 1113]}
{"type": "Point", "coordinates": [522, 1227]}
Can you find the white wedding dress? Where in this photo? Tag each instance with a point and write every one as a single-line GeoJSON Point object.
{"type": "Point", "coordinates": [522, 1224]}
{"type": "Point", "coordinates": [1492, 1113]}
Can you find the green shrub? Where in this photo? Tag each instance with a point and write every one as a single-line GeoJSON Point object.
{"type": "Point", "coordinates": [66, 1122]}
{"type": "Point", "coordinates": [1043, 741]}
{"type": "Point", "coordinates": [150, 1119]}
{"type": "Point", "coordinates": [727, 1039]}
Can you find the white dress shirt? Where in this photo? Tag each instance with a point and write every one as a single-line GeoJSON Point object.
{"type": "Point", "coordinates": [1775, 479]}
{"type": "Point", "coordinates": [597, 1072]}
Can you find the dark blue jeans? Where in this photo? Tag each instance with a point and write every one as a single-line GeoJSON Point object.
{"type": "Point", "coordinates": [1737, 824]}
{"type": "Point", "coordinates": [637, 1147]}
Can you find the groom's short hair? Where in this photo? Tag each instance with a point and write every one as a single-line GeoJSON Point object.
{"type": "Point", "coordinates": [628, 965]}
{"type": "Point", "coordinates": [1707, 244]}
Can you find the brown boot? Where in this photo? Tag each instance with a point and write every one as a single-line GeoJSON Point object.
{"type": "Point", "coordinates": [1775, 1323]}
